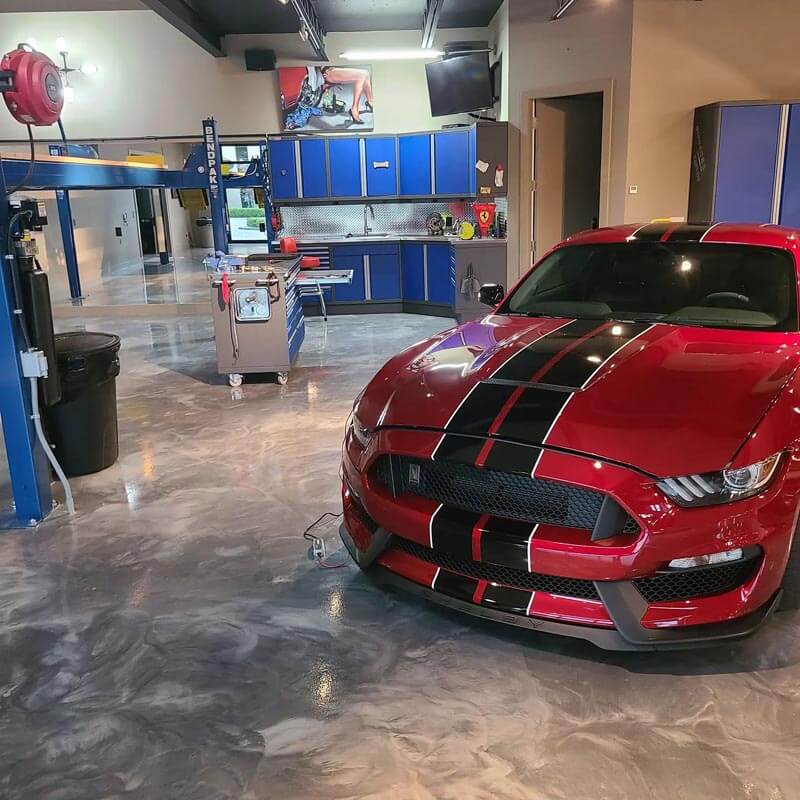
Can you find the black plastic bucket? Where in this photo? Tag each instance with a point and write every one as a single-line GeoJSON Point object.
{"type": "Point", "coordinates": [82, 427]}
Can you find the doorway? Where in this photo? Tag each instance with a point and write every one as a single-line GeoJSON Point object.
{"type": "Point", "coordinates": [151, 208]}
{"type": "Point", "coordinates": [246, 221]}
{"type": "Point", "coordinates": [567, 153]}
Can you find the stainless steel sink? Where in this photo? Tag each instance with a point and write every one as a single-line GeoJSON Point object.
{"type": "Point", "coordinates": [366, 235]}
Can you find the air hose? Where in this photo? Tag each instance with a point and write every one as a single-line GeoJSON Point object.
{"type": "Point", "coordinates": [48, 451]}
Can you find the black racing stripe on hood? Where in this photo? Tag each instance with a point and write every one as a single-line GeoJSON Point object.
{"type": "Point", "coordinates": [530, 419]}
{"type": "Point", "coordinates": [458, 449]}
{"type": "Point", "coordinates": [519, 459]}
{"type": "Point", "coordinates": [480, 408]}
{"type": "Point", "coordinates": [529, 360]}
{"type": "Point", "coordinates": [577, 366]}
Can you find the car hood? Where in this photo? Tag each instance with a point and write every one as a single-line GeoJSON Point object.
{"type": "Point", "coordinates": [670, 400]}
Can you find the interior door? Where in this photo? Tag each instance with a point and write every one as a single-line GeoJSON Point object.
{"type": "Point", "coordinates": [148, 226]}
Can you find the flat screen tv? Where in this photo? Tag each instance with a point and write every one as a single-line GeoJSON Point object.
{"type": "Point", "coordinates": [459, 84]}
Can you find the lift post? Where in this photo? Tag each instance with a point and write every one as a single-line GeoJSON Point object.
{"type": "Point", "coordinates": [216, 197]}
{"type": "Point", "coordinates": [27, 465]}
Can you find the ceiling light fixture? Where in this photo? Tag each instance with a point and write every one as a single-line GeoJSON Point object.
{"type": "Point", "coordinates": [66, 70]}
{"type": "Point", "coordinates": [563, 8]}
{"type": "Point", "coordinates": [391, 55]}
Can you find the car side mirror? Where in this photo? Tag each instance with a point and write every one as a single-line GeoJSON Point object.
{"type": "Point", "coordinates": [491, 294]}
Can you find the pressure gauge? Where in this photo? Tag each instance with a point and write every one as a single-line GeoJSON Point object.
{"type": "Point", "coordinates": [252, 304]}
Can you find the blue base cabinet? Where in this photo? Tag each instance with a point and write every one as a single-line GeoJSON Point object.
{"type": "Point", "coordinates": [441, 270]}
{"type": "Point", "coordinates": [355, 292]}
{"type": "Point", "coordinates": [413, 258]}
{"type": "Point", "coordinates": [384, 276]}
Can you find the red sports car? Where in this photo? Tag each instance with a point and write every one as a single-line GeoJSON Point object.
{"type": "Point", "coordinates": [613, 453]}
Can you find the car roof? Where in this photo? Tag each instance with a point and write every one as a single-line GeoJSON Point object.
{"type": "Point", "coordinates": [720, 233]}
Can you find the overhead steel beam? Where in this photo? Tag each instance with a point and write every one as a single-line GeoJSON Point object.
{"type": "Point", "coordinates": [433, 10]}
{"type": "Point", "coordinates": [563, 7]}
{"type": "Point", "coordinates": [189, 23]}
{"type": "Point", "coordinates": [311, 24]}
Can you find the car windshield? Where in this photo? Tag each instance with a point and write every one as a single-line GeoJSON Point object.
{"type": "Point", "coordinates": [710, 285]}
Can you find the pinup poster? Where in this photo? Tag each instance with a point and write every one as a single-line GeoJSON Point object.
{"type": "Point", "coordinates": [326, 99]}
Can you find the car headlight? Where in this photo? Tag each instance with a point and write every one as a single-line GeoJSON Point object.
{"type": "Point", "coordinates": [361, 433]}
{"type": "Point", "coordinates": [725, 486]}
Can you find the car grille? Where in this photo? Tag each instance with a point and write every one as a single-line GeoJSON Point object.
{"type": "Point", "coordinates": [567, 587]}
{"type": "Point", "coordinates": [699, 582]}
{"type": "Point", "coordinates": [661, 588]}
{"type": "Point", "coordinates": [507, 495]}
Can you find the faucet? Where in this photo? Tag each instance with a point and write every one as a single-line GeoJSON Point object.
{"type": "Point", "coordinates": [368, 207]}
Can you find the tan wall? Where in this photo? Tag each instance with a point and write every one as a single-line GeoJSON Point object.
{"type": "Point", "coordinates": [551, 140]}
{"type": "Point", "coordinates": [687, 54]}
{"type": "Point", "coordinates": [589, 46]}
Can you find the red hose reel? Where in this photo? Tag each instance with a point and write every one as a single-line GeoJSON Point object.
{"type": "Point", "coordinates": [31, 86]}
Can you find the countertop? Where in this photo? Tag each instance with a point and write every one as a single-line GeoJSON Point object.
{"type": "Point", "coordinates": [394, 238]}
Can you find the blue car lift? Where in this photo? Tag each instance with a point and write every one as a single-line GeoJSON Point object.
{"type": "Point", "coordinates": [28, 467]}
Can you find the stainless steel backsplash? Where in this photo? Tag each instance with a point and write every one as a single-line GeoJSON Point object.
{"type": "Point", "coordinates": [338, 220]}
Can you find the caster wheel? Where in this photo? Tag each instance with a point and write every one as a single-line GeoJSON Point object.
{"type": "Point", "coordinates": [283, 378]}
{"type": "Point", "coordinates": [235, 379]}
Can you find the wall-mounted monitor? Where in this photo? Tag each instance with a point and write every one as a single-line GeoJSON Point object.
{"type": "Point", "coordinates": [460, 84]}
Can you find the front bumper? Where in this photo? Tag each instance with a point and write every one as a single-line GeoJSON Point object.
{"type": "Point", "coordinates": [623, 602]}
{"type": "Point", "coordinates": [612, 612]}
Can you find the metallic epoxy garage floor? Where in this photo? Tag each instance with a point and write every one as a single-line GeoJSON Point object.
{"type": "Point", "coordinates": [173, 641]}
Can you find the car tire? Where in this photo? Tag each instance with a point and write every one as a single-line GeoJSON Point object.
{"type": "Point", "coordinates": [790, 601]}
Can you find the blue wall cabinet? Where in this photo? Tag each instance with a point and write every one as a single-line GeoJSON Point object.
{"type": "Point", "coordinates": [441, 274]}
{"type": "Point", "coordinates": [344, 156]}
{"type": "Point", "coordinates": [414, 165]}
{"type": "Point", "coordinates": [381, 166]}
{"type": "Point", "coordinates": [413, 258]}
{"type": "Point", "coordinates": [454, 162]}
{"type": "Point", "coordinates": [790, 200]}
{"type": "Point", "coordinates": [283, 169]}
{"type": "Point", "coordinates": [313, 168]}
{"type": "Point", "coordinates": [384, 276]}
{"type": "Point", "coordinates": [341, 258]}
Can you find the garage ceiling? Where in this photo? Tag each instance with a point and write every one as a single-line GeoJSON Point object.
{"type": "Point", "coordinates": [207, 21]}
{"type": "Point", "coordinates": [270, 16]}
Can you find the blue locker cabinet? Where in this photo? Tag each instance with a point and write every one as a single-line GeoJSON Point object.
{"type": "Point", "coordinates": [790, 196]}
{"type": "Point", "coordinates": [344, 157]}
{"type": "Point", "coordinates": [283, 169]}
{"type": "Point", "coordinates": [381, 166]}
{"type": "Point", "coordinates": [454, 162]}
{"type": "Point", "coordinates": [413, 258]}
{"type": "Point", "coordinates": [384, 276]}
{"type": "Point", "coordinates": [414, 165]}
{"type": "Point", "coordinates": [735, 150]}
{"type": "Point", "coordinates": [441, 274]}
{"type": "Point", "coordinates": [313, 168]}
{"type": "Point", "coordinates": [346, 258]}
